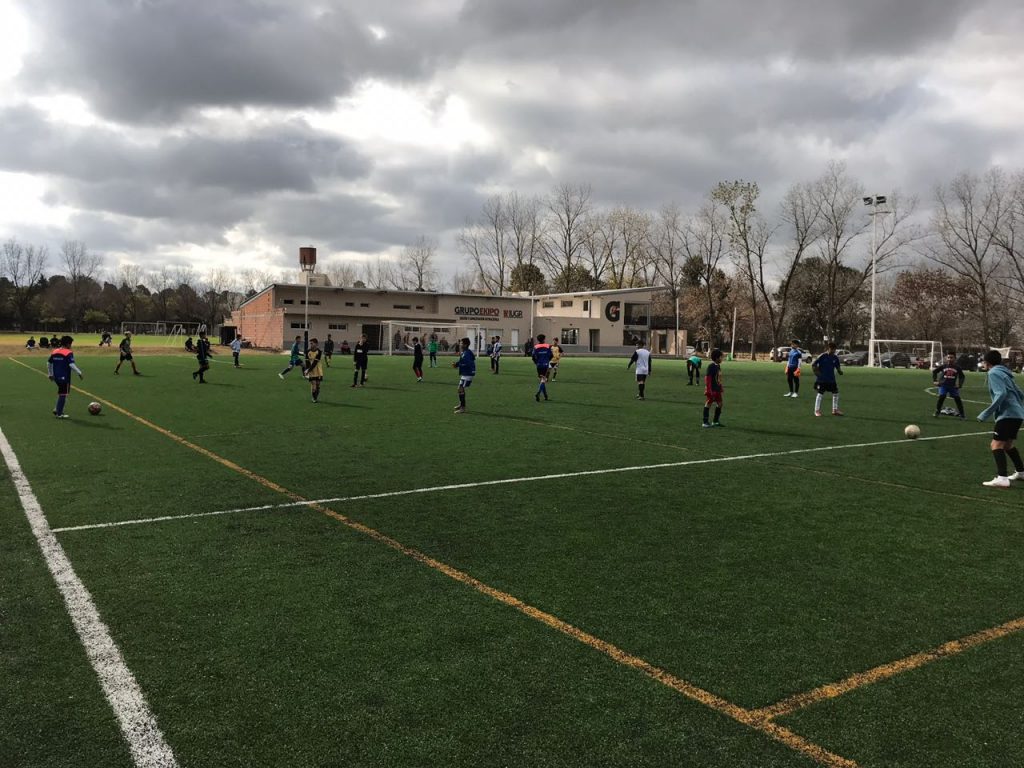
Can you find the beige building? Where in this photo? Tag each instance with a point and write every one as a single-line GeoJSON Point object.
{"type": "Point", "coordinates": [585, 322]}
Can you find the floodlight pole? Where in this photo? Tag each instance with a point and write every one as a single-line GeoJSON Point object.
{"type": "Point", "coordinates": [873, 202]}
{"type": "Point", "coordinates": [307, 262]}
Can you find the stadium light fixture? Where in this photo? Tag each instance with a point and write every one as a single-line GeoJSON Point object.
{"type": "Point", "coordinates": [874, 202]}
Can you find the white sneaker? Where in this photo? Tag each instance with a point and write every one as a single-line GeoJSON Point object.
{"type": "Point", "coordinates": [795, 395]}
{"type": "Point", "coordinates": [788, 394]}
{"type": "Point", "coordinates": [1017, 476]}
{"type": "Point", "coordinates": [998, 482]}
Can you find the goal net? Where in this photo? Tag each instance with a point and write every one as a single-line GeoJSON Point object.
{"type": "Point", "coordinates": [907, 353]}
{"type": "Point", "coordinates": [396, 336]}
{"type": "Point", "coordinates": [181, 331]}
{"type": "Point", "coordinates": [145, 329]}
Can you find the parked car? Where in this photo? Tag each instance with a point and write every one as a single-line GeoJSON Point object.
{"type": "Point", "coordinates": [782, 355]}
{"type": "Point", "coordinates": [968, 362]}
{"type": "Point", "coordinates": [894, 360]}
{"type": "Point", "coordinates": [854, 358]}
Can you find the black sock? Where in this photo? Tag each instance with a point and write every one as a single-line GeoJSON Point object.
{"type": "Point", "coordinates": [1000, 456]}
{"type": "Point", "coordinates": [942, 399]}
{"type": "Point", "coordinates": [1014, 455]}
{"type": "Point", "coordinates": [705, 415]}
{"type": "Point", "coordinates": [462, 399]}
{"type": "Point", "coordinates": [718, 414]}
{"type": "Point", "coordinates": [641, 389]}
{"type": "Point", "coordinates": [960, 405]}
{"type": "Point", "coordinates": [355, 377]}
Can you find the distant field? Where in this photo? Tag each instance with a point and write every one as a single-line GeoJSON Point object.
{"type": "Point", "coordinates": [592, 581]}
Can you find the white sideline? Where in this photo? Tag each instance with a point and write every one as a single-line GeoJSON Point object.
{"type": "Point", "coordinates": [138, 725]}
{"type": "Point", "coordinates": [510, 481]}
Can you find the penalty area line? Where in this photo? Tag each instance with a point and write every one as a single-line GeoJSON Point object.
{"type": "Point", "coordinates": [137, 722]}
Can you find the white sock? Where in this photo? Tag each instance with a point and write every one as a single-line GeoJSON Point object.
{"type": "Point", "coordinates": [817, 402]}
{"type": "Point", "coordinates": [835, 402]}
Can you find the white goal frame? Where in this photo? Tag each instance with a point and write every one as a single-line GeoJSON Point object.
{"type": "Point", "coordinates": [184, 329]}
{"type": "Point", "coordinates": [914, 348]}
{"type": "Point", "coordinates": [406, 329]}
{"type": "Point", "coordinates": [146, 329]}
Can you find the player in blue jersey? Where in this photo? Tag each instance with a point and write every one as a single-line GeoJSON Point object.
{"type": "Point", "coordinates": [542, 359]}
{"type": "Point", "coordinates": [949, 377]}
{"type": "Point", "coordinates": [825, 369]}
{"type": "Point", "coordinates": [467, 370]}
{"type": "Point", "coordinates": [59, 367]}
{"type": "Point", "coordinates": [793, 369]}
{"type": "Point", "coordinates": [1007, 409]}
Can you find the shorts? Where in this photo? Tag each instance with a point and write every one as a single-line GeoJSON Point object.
{"type": "Point", "coordinates": [713, 397]}
{"type": "Point", "coordinates": [542, 370]}
{"type": "Point", "coordinates": [945, 391]}
{"type": "Point", "coordinates": [554, 365]}
{"type": "Point", "coordinates": [63, 386]}
{"type": "Point", "coordinates": [826, 386]}
{"type": "Point", "coordinates": [295, 361]}
{"type": "Point", "coordinates": [314, 378]}
{"type": "Point", "coordinates": [126, 356]}
{"type": "Point", "coordinates": [641, 377]}
{"type": "Point", "coordinates": [1006, 430]}
{"type": "Point", "coordinates": [465, 381]}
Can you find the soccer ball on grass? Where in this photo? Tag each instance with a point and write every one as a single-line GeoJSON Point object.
{"type": "Point", "coordinates": [95, 408]}
{"type": "Point", "coordinates": [912, 431]}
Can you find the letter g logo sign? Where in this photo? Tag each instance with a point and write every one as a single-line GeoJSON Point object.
{"type": "Point", "coordinates": [612, 310]}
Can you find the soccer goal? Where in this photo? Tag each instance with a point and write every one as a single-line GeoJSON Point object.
{"type": "Point", "coordinates": [397, 335]}
{"type": "Point", "coordinates": [181, 331]}
{"type": "Point", "coordinates": [144, 329]}
{"type": "Point", "coordinates": [907, 353]}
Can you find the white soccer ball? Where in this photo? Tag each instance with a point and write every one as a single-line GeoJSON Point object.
{"type": "Point", "coordinates": [912, 431]}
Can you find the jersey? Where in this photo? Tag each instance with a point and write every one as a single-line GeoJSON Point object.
{"type": "Point", "coordinates": [417, 353]}
{"type": "Point", "coordinates": [695, 360]}
{"type": "Point", "coordinates": [496, 351]}
{"type": "Point", "coordinates": [314, 369]}
{"type": "Point", "coordinates": [793, 360]}
{"type": "Point", "coordinates": [827, 366]}
{"type": "Point", "coordinates": [61, 363]}
{"type": "Point", "coordinates": [236, 346]}
{"type": "Point", "coordinates": [542, 355]}
{"type": "Point", "coordinates": [949, 376]}
{"type": "Point", "coordinates": [713, 378]}
{"type": "Point", "coordinates": [296, 354]}
{"type": "Point", "coordinates": [125, 346]}
{"type": "Point", "coordinates": [467, 363]}
{"type": "Point", "coordinates": [642, 358]}
{"type": "Point", "coordinates": [556, 354]}
{"type": "Point", "coordinates": [361, 354]}
{"type": "Point", "coordinates": [432, 347]}
{"type": "Point", "coordinates": [203, 350]}
{"type": "Point", "coordinates": [329, 347]}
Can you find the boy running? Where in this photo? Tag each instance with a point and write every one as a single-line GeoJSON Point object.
{"type": "Point", "coordinates": [236, 348]}
{"type": "Point", "coordinates": [542, 359]}
{"type": "Point", "coordinates": [713, 389]}
{"type": "Point", "coordinates": [825, 369]}
{"type": "Point", "coordinates": [59, 367]}
{"type": "Point", "coordinates": [203, 356]}
{"type": "Point", "coordinates": [361, 358]}
{"type": "Point", "coordinates": [496, 355]}
{"type": "Point", "coordinates": [793, 369]}
{"type": "Point", "coordinates": [328, 350]}
{"type": "Point", "coordinates": [693, 363]}
{"type": "Point", "coordinates": [556, 357]}
{"type": "Point", "coordinates": [949, 377]}
{"type": "Point", "coordinates": [294, 359]}
{"type": "Point", "coordinates": [642, 358]}
{"type": "Point", "coordinates": [1008, 409]}
{"type": "Point", "coordinates": [417, 358]}
{"type": "Point", "coordinates": [313, 370]}
{"type": "Point", "coordinates": [467, 370]}
{"type": "Point", "coordinates": [125, 348]}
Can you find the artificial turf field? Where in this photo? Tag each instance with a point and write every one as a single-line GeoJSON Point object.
{"type": "Point", "coordinates": [650, 616]}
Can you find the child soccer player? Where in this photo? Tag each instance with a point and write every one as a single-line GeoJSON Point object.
{"type": "Point", "coordinates": [949, 377]}
{"type": "Point", "coordinates": [825, 369]}
{"type": "Point", "coordinates": [236, 348]}
{"type": "Point", "coordinates": [59, 367]}
{"type": "Point", "coordinates": [793, 369]}
{"type": "Point", "coordinates": [295, 358]}
{"type": "Point", "coordinates": [203, 356]}
{"type": "Point", "coordinates": [328, 350]}
{"type": "Point", "coordinates": [556, 358]}
{"type": "Point", "coordinates": [496, 355]}
{"type": "Point", "coordinates": [642, 358]}
{"type": "Point", "coordinates": [467, 370]}
{"type": "Point", "coordinates": [542, 359]}
{"type": "Point", "coordinates": [126, 354]}
{"type": "Point", "coordinates": [313, 369]}
{"type": "Point", "coordinates": [713, 389]}
{"type": "Point", "coordinates": [361, 358]}
{"type": "Point", "coordinates": [417, 358]}
{"type": "Point", "coordinates": [432, 349]}
{"type": "Point", "coordinates": [1008, 409]}
{"type": "Point", "coordinates": [693, 363]}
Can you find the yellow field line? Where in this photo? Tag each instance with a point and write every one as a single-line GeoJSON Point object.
{"type": "Point", "coordinates": [693, 692]}
{"type": "Point", "coordinates": [885, 671]}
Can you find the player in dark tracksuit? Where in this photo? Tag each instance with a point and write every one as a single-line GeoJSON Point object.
{"type": "Point", "coordinates": [361, 357]}
{"type": "Point", "coordinates": [203, 356]}
{"type": "Point", "coordinates": [417, 358]}
{"type": "Point", "coordinates": [328, 350]}
{"type": "Point", "coordinates": [125, 348]}
{"type": "Point", "coordinates": [949, 377]}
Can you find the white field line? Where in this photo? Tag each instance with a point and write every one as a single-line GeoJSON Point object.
{"type": "Point", "coordinates": [138, 725]}
{"type": "Point", "coordinates": [934, 392]}
{"type": "Point", "coordinates": [511, 481]}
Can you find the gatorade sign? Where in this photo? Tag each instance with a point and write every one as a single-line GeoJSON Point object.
{"type": "Point", "coordinates": [612, 310]}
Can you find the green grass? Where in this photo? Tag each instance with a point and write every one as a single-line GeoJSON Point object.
{"type": "Point", "coordinates": [283, 637]}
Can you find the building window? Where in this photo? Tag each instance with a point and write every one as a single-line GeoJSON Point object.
{"type": "Point", "coordinates": [403, 306]}
{"type": "Point", "coordinates": [570, 336]}
{"type": "Point", "coordinates": [586, 305]}
{"type": "Point", "coordinates": [566, 303]}
{"type": "Point", "coordinates": [310, 303]}
{"type": "Point", "coordinates": [289, 301]}
{"type": "Point", "coordinates": [337, 326]}
{"type": "Point", "coordinates": [364, 305]}
{"type": "Point", "coordinates": [637, 314]}
{"type": "Point", "coordinates": [629, 338]}
{"type": "Point", "coordinates": [349, 304]}
{"type": "Point", "coordinates": [548, 304]}
{"type": "Point", "coordinates": [419, 306]}
{"type": "Point", "coordinates": [301, 326]}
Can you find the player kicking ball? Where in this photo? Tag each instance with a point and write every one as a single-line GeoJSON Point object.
{"type": "Point", "coordinates": [1007, 409]}
{"type": "Point", "coordinates": [59, 368]}
{"type": "Point", "coordinates": [825, 369]}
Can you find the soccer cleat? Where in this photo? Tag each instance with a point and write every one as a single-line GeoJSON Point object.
{"type": "Point", "coordinates": [837, 412]}
{"type": "Point", "coordinates": [795, 394]}
{"type": "Point", "coordinates": [817, 413]}
{"type": "Point", "coordinates": [998, 482]}
{"type": "Point", "coordinates": [280, 376]}
{"type": "Point", "coordinates": [63, 416]}
{"type": "Point", "coordinates": [354, 386]}
{"type": "Point", "coordinates": [117, 372]}
{"type": "Point", "coordinates": [1019, 475]}
{"type": "Point", "coordinates": [705, 425]}
{"type": "Point", "coordinates": [788, 394]}
{"type": "Point", "coordinates": [639, 397]}
{"type": "Point", "coordinates": [196, 375]}
{"type": "Point", "coordinates": [717, 424]}
{"type": "Point", "coordinates": [459, 409]}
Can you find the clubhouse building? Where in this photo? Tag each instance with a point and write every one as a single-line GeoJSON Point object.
{"type": "Point", "coordinates": [587, 322]}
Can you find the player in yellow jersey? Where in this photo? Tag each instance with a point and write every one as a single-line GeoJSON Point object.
{"type": "Point", "coordinates": [313, 370]}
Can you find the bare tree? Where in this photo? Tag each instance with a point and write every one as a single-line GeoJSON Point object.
{"type": "Point", "coordinates": [161, 283]}
{"type": "Point", "coordinates": [667, 246]}
{"type": "Point", "coordinates": [416, 270]}
{"type": "Point", "coordinates": [486, 244]}
{"type": "Point", "coordinates": [23, 266]}
{"type": "Point", "coordinates": [253, 280]}
{"type": "Point", "coordinates": [341, 273]}
{"type": "Point", "coordinates": [616, 248]}
{"type": "Point", "coordinates": [705, 246]}
{"type": "Point", "coordinates": [1009, 235]}
{"type": "Point", "coordinates": [969, 211]}
{"type": "Point", "coordinates": [133, 292]}
{"type": "Point", "coordinates": [562, 240]}
{"type": "Point", "coordinates": [80, 268]}
{"type": "Point", "coordinates": [468, 282]}
{"type": "Point", "coordinates": [378, 273]}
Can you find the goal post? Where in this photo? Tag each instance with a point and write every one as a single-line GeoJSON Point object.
{"type": "Point", "coordinates": [144, 329]}
{"type": "Point", "coordinates": [907, 353]}
{"type": "Point", "coordinates": [179, 330]}
{"type": "Point", "coordinates": [397, 335]}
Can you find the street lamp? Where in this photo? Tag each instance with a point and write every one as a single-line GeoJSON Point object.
{"type": "Point", "coordinates": [875, 204]}
{"type": "Point", "coordinates": [307, 262]}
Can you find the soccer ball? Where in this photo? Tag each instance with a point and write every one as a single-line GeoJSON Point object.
{"type": "Point", "coordinates": [912, 431]}
{"type": "Point", "coordinates": [95, 408]}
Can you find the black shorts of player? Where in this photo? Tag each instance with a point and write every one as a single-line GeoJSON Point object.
{"type": "Point", "coordinates": [126, 356]}
{"type": "Point", "coordinates": [1006, 430]}
{"type": "Point", "coordinates": [641, 377]}
{"type": "Point", "coordinates": [542, 370]}
{"type": "Point", "coordinates": [826, 386]}
{"type": "Point", "coordinates": [315, 378]}
{"type": "Point", "coordinates": [63, 386]}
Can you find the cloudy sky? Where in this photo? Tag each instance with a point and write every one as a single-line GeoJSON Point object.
{"type": "Point", "coordinates": [230, 132]}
